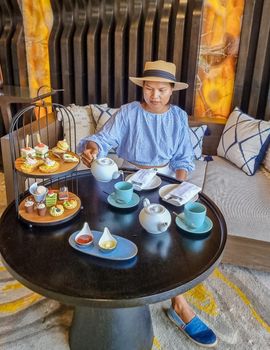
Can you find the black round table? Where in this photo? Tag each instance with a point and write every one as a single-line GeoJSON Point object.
{"type": "Point", "coordinates": [111, 298]}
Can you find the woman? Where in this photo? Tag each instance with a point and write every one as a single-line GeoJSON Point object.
{"type": "Point", "coordinates": [154, 134]}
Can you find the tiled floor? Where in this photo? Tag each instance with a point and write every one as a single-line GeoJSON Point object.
{"type": "Point", "coordinates": [3, 202]}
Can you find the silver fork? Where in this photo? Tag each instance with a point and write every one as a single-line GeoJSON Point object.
{"type": "Point", "coordinates": [172, 196]}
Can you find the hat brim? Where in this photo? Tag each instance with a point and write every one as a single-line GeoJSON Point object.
{"type": "Point", "coordinates": [177, 85]}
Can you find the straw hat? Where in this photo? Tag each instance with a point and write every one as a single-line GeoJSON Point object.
{"type": "Point", "coordinates": [160, 71]}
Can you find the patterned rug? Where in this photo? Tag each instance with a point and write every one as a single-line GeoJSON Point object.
{"type": "Point", "coordinates": [233, 300]}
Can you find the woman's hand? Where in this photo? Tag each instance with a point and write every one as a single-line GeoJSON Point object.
{"type": "Point", "coordinates": [90, 153]}
{"type": "Point", "coordinates": [181, 174]}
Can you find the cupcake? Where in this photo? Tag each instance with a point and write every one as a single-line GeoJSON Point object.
{"type": "Point", "coordinates": [29, 205]}
{"type": "Point", "coordinates": [41, 209]}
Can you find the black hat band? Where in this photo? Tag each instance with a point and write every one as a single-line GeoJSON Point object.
{"type": "Point", "coordinates": [159, 74]}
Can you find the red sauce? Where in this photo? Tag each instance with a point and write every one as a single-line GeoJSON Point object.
{"type": "Point", "coordinates": [84, 239]}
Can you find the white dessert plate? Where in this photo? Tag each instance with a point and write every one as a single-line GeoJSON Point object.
{"type": "Point", "coordinates": [156, 182]}
{"type": "Point", "coordinates": [124, 250]}
{"type": "Point", "coordinates": [167, 188]}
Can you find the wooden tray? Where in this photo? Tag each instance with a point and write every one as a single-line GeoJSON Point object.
{"type": "Point", "coordinates": [48, 219]}
{"type": "Point", "coordinates": [64, 166]}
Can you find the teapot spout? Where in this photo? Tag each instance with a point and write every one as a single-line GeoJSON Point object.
{"type": "Point", "coordinates": [163, 226]}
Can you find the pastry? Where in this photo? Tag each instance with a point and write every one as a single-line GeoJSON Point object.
{"type": "Point", "coordinates": [41, 209]}
{"type": "Point", "coordinates": [70, 204]}
{"type": "Point", "coordinates": [61, 147]}
{"type": "Point", "coordinates": [69, 158]}
{"type": "Point", "coordinates": [51, 198]}
{"type": "Point", "coordinates": [57, 210]}
{"type": "Point", "coordinates": [30, 164]}
{"type": "Point", "coordinates": [49, 166]}
{"type": "Point", "coordinates": [29, 205]}
{"type": "Point", "coordinates": [63, 193]}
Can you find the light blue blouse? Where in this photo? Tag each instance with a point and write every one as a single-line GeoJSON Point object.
{"type": "Point", "coordinates": [145, 138]}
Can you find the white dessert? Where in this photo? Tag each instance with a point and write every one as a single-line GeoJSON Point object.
{"type": "Point", "coordinates": [41, 150]}
{"type": "Point", "coordinates": [28, 151]}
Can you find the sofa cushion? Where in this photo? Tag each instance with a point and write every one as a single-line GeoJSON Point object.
{"type": "Point", "coordinates": [84, 123]}
{"type": "Point", "coordinates": [196, 135]}
{"type": "Point", "coordinates": [243, 200]}
{"type": "Point", "coordinates": [244, 141]}
{"type": "Point", "coordinates": [102, 114]}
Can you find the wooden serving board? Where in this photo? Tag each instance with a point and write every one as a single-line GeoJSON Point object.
{"type": "Point", "coordinates": [63, 168]}
{"type": "Point", "coordinates": [34, 218]}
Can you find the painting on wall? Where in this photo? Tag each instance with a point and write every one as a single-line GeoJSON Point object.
{"type": "Point", "coordinates": [220, 37]}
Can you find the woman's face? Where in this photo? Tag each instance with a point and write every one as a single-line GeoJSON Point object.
{"type": "Point", "coordinates": [156, 96]}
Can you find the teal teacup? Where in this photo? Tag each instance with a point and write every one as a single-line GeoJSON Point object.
{"type": "Point", "coordinates": [123, 191]}
{"type": "Point", "coordinates": [194, 214]}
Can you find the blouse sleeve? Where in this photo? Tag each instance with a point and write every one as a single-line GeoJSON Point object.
{"type": "Point", "coordinates": [184, 155]}
{"type": "Point", "coordinates": [108, 137]}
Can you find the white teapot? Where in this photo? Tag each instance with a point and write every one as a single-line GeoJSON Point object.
{"type": "Point", "coordinates": [154, 218]}
{"type": "Point", "coordinates": [105, 169]}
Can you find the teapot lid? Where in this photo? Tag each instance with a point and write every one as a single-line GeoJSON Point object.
{"type": "Point", "coordinates": [105, 161]}
{"type": "Point", "coordinates": [155, 209]}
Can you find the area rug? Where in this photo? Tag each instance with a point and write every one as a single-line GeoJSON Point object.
{"type": "Point", "coordinates": [233, 300]}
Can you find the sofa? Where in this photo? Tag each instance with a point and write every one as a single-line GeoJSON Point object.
{"type": "Point", "coordinates": [243, 199]}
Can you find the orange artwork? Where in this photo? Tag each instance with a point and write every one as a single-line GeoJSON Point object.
{"type": "Point", "coordinates": [220, 37]}
{"type": "Point", "coordinates": [37, 21]}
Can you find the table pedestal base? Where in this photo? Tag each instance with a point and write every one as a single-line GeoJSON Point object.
{"type": "Point", "coordinates": [111, 329]}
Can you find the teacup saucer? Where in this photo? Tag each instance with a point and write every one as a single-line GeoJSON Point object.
{"type": "Point", "coordinates": [205, 228]}
{"type": "Point", "coordinates": [134, 201]}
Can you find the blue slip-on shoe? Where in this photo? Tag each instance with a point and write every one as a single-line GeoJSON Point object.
{"type": "Point", "coordinates": [196, 329]}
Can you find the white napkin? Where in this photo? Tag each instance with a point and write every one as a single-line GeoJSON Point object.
{"type": "Point", "coordinates": [182, 193]}
{"type": "Point", "coordinates": [142, 178]}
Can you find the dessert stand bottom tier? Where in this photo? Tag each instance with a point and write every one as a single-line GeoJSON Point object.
{"type": "Point", "coordinates": [35, 219]}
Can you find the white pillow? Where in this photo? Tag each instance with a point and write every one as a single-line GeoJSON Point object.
{"type": "Point", "coordinates": [84, 123]}
{"type": "Point", "coordinates": [196, 135]}
{"type": "Point", "coordinates": [244, 141]}
{"type": "Point", "coordinates": [102, 114]}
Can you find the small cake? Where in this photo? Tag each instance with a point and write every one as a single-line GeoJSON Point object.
{"type": "Point", "coordinates": [69, 158]}
{"type": "Point", "coordinates": [29, 205]}
{"type": "Point", "coordinates": [57, 210]}
{"type": "Point", "coordinates": [51, 198]}
{"type": "Point", "coordinates": [70, 204]}
{"type": "Point", "coordinates": [49, 166]}
{"type": "Point", "coordinates": [63, 193]}
{"type": "Point", "coordinates": [41, 150]}
{"type": "Point", "coordinates": [41, 209]}
{"type": "Point", "coordinates": [28, 151]}
{"type": "Point", "coordinates": [30, 164]}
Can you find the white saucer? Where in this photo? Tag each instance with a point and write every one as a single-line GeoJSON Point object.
{"type": "Point", "coordinates": [156, 182]}
{"type": "Point", "coordinates": [134, 201]}
{"type": "Point", "coordinates": [167, 188]}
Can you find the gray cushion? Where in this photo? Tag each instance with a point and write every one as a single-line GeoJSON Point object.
{"type": "Point", "coordinates": [244, 200]}
{"type": "Point", "coordinates": [197, 176]}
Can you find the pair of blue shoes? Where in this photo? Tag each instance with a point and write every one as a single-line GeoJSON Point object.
{"type": "Point", "coordinates": [196, 329]}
